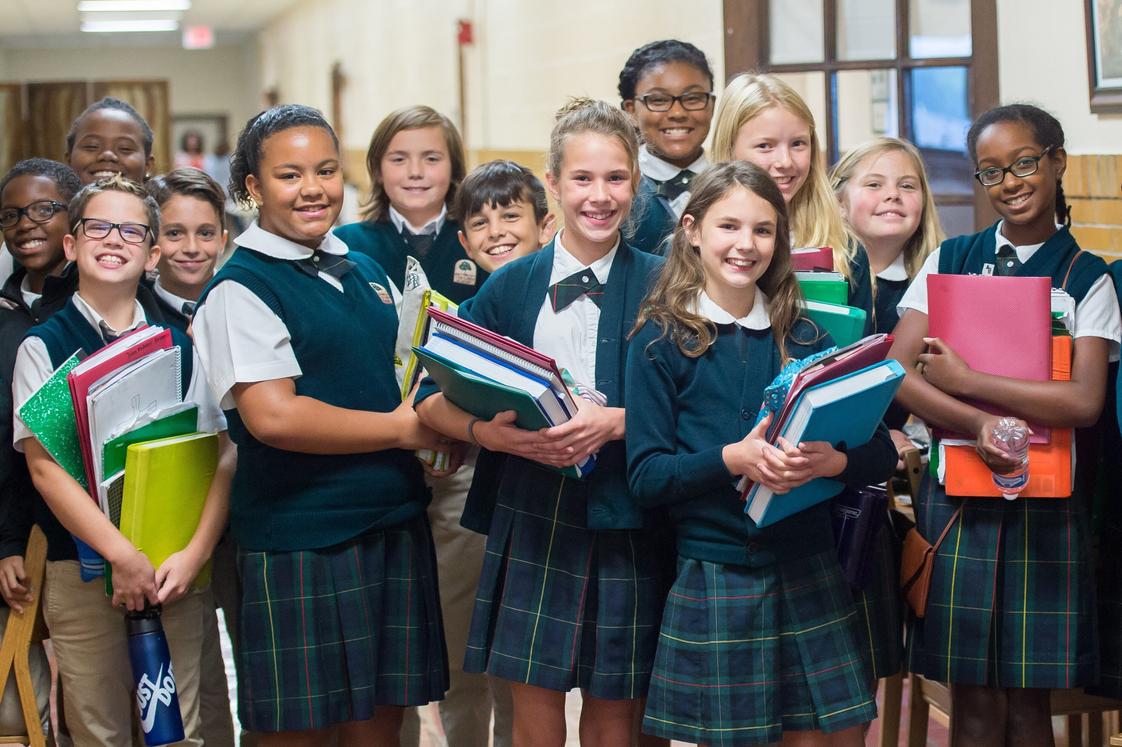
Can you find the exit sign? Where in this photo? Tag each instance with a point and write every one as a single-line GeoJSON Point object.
{"type": "Point", "coordinates": [198, 37]}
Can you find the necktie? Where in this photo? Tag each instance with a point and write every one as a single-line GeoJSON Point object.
{"type": "Point", "coordinates": [676, 185]}
{"type": "Point", "coordinates": [188, 309]}
{"type": "Point", "coordinates": [107, 332]}
{"type": "Point", "coordinates": [331, 264]}
{"type": "Point", "coordinates": [582, 283]}
{"type": "Point", "coordinates": [420, 243]}
{"type": "Point", "coordinates": [1007, 261]}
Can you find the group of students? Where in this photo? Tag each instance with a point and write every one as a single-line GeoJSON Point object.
{"type": "Point", "coordinates": [669, 299]}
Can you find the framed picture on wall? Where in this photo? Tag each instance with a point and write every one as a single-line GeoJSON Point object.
{"type": "Point", "coordinates": [1104, 54]}
{"type": "Point", "coordinates": [213, 129]}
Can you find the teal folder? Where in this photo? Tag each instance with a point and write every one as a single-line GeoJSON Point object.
{"type": "Point", "coordinates": [828, 289]}
{"type": "Point", "coordinates": [847, 409]}
{"type": "Point", "coordinates": [846, 324]}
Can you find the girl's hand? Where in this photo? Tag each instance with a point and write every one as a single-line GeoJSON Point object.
{"type": "Point", "coordinates": [134, 581]}
{"type": "Point", "coordinates": [943, 368]}
{"type": "Point", "coordinates": [591, 428]}
{"type": "Point", "coordinates": [903, 444]}
{"type": "Point", "coordinates": [825, 460]}
{"type": "Point", "coordinates": [500, 434]}
{"type": "Point", "coordinates": [412, 433]}
{"type": "Point", "coordinates": [778, 469]}
{"type": "Point", "coordinates": [996, 458]}
{"type": "Point", "coordinates": [175, 576]}
{"type": "Point", "coordinates": [13, 582]}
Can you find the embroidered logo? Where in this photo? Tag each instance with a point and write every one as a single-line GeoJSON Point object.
{"type": "Point", "coordinates": [382, 292]}
{"type": "Point", "coordinates": [464, 272]}
{"type": "Point", "coordinates": [987, 268]}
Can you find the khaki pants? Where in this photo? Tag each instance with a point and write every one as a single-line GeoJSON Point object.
{"type": "Point", "coordinates": [216, 721]}
{"type": "Point", "coordinates": [465, 712]}
{"type": "Point", "coordinates": [11, 715]}
{"type": "Point", "coordinates": [91, 648]}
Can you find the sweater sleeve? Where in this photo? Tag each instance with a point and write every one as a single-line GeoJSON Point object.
{"type": "Point", "coordinates": [657, 472]}
{"type": "Point", "coordinates": [871, 463]}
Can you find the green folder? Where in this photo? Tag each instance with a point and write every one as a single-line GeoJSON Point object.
{"type": "Point", "coordinates": [827, 290]}
{"type": "Point", "coordinates": [49, 414]}
{"type": "Point", "coordinates": [177, 424]}
{"type": "Point", "coordinates": [845, 324]}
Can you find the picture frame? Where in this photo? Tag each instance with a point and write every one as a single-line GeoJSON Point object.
{"type": "Point", "coordinates": [213, 127]}
{"type": "Point", "coordinates": [1104, 54]}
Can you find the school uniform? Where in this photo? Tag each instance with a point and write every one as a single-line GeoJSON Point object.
{"type": "Point", "coordinates": [759, 631]}
{"type": "Point", "coordinates": [1011, 602]}
{"type": "Point", "coordinates": [573, 579]}
{"type": "Point", "coordinates": [659, 201]}
{"type": "Point", "coordinates": [87, 632]}
{"type": "Point", "coordinates": [176, 309]}
{"type": "Point", "coordinates": [340, 540]}
{"type": "Point", "coordinates": [861, 287]}
{"type": "Point", "coordinates": [390, 240]}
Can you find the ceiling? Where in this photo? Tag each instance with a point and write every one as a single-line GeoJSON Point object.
{"type": "Point", "coordinates": [55, 23]}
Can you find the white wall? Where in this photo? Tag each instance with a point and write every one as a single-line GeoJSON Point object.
{"type": "Point", "coordinates": [1042, 58]}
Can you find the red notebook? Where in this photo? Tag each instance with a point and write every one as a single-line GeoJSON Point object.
{"type": "Point", "coordinates": [998, 325]}
{"type": "Point", "coordinates": [811, 258]}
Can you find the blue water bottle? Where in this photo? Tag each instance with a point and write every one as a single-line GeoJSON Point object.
{"type": "Point", "coordinates": [155, 683]}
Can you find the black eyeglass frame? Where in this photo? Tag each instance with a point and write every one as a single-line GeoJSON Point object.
{"type": "Point", "coordinates": [82, 223]}
{"type": "Point", "coordinates": [1009, 169]}
{"type": "Point", "coordinates": [709, 97]}
{"type": "Point", "coordinates": [56, 208]}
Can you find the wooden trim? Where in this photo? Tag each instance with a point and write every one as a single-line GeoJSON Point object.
{"type": "Point", "coordinates": [1102, 99]}
{"type": "Point", "coordinates": [983, 84]}
{"type": "Point", "coordinates": [745, 23]}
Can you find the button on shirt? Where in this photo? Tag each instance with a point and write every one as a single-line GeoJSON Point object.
{"type": "Point", "coordinates": [33, 368]}
{"type": "Point", "coordinates": [257, 347]}
{"type": "Point", "coordinates": [569, 336]}
{"type": "Point", "coordinates": [654, 167]}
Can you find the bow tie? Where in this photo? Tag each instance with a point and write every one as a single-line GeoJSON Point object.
{"type": "Point", "coordinates": [331, 264]}
{"type": "Point", "coordinates": [1007, 261]}
{"type": "Point", "coordinates": [420, 243]}
{"type": "Point", "coordinates": [582, 283]}
{"type": "Point", "coordinates": [676, 185]}
{"type": "Point", "coordinates": [188, 309]}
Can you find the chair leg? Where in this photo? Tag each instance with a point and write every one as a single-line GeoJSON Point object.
{"type": "Point", "coordinates": [28, 704]}
{"type": "Point", "coordinates": [1075, 730]}
{"type": "Point", "coordinates": [893, 690]}
{"type": "Point", "coordinates": [918, 711]}
{"type": "Point", "coordinates": [1095, 733]}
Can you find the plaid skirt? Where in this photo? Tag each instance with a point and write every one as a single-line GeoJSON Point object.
{"type": "Point", "coordinates": [328, 635]}
{"type": "Point", "coordinates": [880, 610]}
{"type": "Point", "coordinates": [560, 606]}
{"type": "Point", "coordinates": [1012, 600]}
{"type": "Point", "coordinates": [746, 653]}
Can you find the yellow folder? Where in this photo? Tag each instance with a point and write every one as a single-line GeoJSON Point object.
{"type": "Point", "coordinates": [166, 485]}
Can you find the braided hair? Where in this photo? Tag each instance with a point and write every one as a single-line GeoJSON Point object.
{"type": "Point", "coordinates": [659, 53]}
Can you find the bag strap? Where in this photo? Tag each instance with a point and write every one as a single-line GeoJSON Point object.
{"type": "Point", "coordinates": [1070, 267]}
{"type": "Point", "coordinates": [947, 528]}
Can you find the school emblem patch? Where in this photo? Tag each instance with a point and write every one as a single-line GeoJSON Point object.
{"type": "Point", "coordinates": [464, 272]}
{"type": "Point", "coordinates": [382, 292]}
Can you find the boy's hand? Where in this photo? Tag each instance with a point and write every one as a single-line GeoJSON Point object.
{"type": "Point", "coordinates": [455, 452]}
{"type": "Point", "coordinates": [13, 582]}
{"type": "Point", "coordinates": [175, 576]}
{"type": "Point", "coordinates": [134, 582]}
{"type": "Point", "coordinates": [500, 434]}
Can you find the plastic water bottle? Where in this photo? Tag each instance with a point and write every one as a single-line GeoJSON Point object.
{"type": "Point", "coordinates": [1013, 438]}
{"type": "Point", "coordinates": [156, 697]}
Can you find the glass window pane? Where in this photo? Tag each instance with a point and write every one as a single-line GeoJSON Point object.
{"type": "Point", "coordinates": [940, 113]}
{"type": "Point", "coordinates": [866, 29]}
{"type": "Point", "coordinates": [956, 219]}
{"type": "Point", "coordinates": [796, 31]}
{"type": "Point", "coordinates": [867, 106]}
{"type": "Point", "coordinates": [939, 28]}
{"type": "Point", "coordinates": [812, 87]}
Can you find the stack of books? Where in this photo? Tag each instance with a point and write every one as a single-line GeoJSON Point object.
{"type": "Point", "coordinates": [485, 373]}
{"type": "Point", "coordinates": [414, 330]}
{"type": "Point", "coordinates": [826, 294]}
{"type": "Point", "coordinates": [842, 397]}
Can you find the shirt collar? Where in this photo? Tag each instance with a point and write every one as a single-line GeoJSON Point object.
{"type": "Point", "coordinates": [1024, 253]}
{"type": "Point", "coordinates": [29, 296]}
{"type": "Point", "coordinates": [172, 300]}
{"type": "Point", "coordinates": [895, 271]}
{"type": "Point", "coordinates": [433, 226]}
{"type": "Point", "coordinates": [565, 264]}
{"type": "Point", "coordinates": [757, 318]}
{"type": "Point", "coordinates": [258, 239]}
{"type": "Point", "coordinates": [97, 321]}
{"type": "Point", "coordinates": [660, 170]}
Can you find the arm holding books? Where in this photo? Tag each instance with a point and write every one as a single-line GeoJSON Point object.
{"type": "Point", "coordinates": [591, 428]}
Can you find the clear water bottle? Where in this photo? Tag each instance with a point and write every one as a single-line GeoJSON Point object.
{"type": "Point", "coordinates": [156, 698]}
{"type": "Point", "coordinates": [1012, 437]}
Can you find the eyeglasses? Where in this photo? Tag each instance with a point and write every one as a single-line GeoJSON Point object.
{"type": "Point", "coordinates": [664, 102]}
{"type": "Point", "coordinates": [37, 212]}
{"type": "Point", "coordinates": [1024, 166]}
{"type": "Point", "coordinates": [95, 228]}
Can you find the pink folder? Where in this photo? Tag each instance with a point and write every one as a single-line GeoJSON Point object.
{"type": "Point", "coordinates": [811, 258]}
{"type": "Point", "coordinates": [998, 325]}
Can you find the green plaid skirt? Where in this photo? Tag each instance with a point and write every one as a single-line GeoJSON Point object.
{"type": "Point", "coordinates": [328, 635]}
{"type": "Point", "coordinates": [746, 653]}
{"type": "Point", "coordinates": [560, 606]}
{"type": "Point", "coordinates": [1109, 578]}
{"type": "Point", "coordinates": [880, 610]}
{"type": "Point", "coordinates": [1012, 601]}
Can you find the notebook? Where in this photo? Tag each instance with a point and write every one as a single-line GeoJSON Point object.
{"type": "Point", "coordinates": [812, 258]}
{"type": "Point", "coordinates": [845, 324]}
{"type": "Point", "coordinates": [829, 287]}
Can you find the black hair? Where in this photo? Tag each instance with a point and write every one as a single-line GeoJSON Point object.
{"type": "Point", "coordinates": [251, 141]}
{"type": "Point", "coordinates": [499, 183]}
{"type": "Point", "coordinates": [116, 104]}
{"type": "Point", "coordinates": [62, 175]}
{"type": "Point", "coordinates": [1045, 128]}
{"type": "Point", "coordinates": [659, 53]}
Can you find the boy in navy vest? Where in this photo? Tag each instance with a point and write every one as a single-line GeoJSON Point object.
{"type": "Point", "coordinates": [112, 241]}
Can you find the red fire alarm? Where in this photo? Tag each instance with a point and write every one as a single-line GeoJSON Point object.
{"type": "Point", "coordinates": [465, 32]}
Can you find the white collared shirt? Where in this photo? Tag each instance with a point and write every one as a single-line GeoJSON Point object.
{"type": "Point", "coordinates": [433, 226]}
{"type": "Point", "coordinates": [172, 300]}
{"type": "Point", "coordinates": [660, 170]}
{"type": "Point", "coordinates": [33, 367]}
{"type": "Point", "coordinates": [239, 338]}
{"type": "Point", "coordinates": [1097, 315]}
{"type": "Point", "coordinates": [757, 318]}
{"type": "Point", "coordinates": [896, 270]}
{"type": "Point", "coordinates": [29, 296]}
{"type": "Point", "coordinates": [569, 336]}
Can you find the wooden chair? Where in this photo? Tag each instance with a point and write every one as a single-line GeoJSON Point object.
{"type": "Point", "coordinates": [22, 630]}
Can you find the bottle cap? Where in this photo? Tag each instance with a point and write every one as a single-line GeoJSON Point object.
{"type": "Point", "coordinates": [1010, 496]}
{"type": "Point", "coordinates": [144, 621]}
